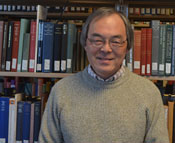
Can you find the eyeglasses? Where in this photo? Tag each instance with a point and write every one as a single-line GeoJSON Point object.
{"type": "Point", "coordinates": [114, 42]}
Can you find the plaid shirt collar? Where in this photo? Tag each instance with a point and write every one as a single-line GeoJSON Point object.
{"type": "Point", "coordinates": [112, 78]}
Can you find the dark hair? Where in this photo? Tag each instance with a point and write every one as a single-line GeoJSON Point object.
{"type": "Point", "coordinates": [102, 12]}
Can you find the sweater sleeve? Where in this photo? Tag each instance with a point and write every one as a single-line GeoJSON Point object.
{"type": "Point", "coordinates": [50, 131]}
{"type": "Point", "coordinates": [156, 131]}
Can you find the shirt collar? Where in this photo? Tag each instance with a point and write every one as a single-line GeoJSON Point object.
{"type": "Point", "coordinates": [118, 74]}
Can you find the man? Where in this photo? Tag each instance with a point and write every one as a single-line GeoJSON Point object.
{"type": "Point", "coordinates": [105, 103]}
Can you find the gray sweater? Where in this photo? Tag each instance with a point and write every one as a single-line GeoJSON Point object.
{"type": "Point", "coordinates": [82, 109]}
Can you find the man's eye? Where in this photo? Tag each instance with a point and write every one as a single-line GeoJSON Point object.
{"type": "Point", "coordinates": [115, 42]}
{"type": "Point", "coordinates": [98, 42]}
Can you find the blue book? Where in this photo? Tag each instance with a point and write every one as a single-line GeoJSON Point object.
{"type": "Point", "coordinates": [173, 53]}
{"type": "Point", "coordinates": [19, 122]}
{"type": "Point", "coordinates": [37, 120]}
{"type": "Point", "coordinates": [26, 121]}
{"type": "Point", "coordinates": [48, 37]}
{"type": "Point", "coordinates": [4, 117]}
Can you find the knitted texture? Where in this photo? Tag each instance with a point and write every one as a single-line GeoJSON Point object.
{"type": "Point", "coordinates": [82, 109]}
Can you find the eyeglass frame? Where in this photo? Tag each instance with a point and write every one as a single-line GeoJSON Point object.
{"type": "Point", "coordinates": [103, 40]}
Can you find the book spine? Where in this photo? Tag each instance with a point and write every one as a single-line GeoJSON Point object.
{"type": "Point", "coordinates": [137, 51]}
{"type": "Point", "coordinates": [148, 51]}
{"type": "Point", "coordinates": [4, 116]}
{"type": "Point", "coordinates": [168, 49]}
{"type": "Point", "coordinates": [24, 28]}
{"type": "Point", "coordinates": [57, 47]}
{"type": "Point", "coordinates": [32, 46]}
{"type": "Point", "coordinates": [9, 46]}
{"type": "Point", "coordinates": [40, 46]}
{"type": "Point", "coordinates": [37, 120]}
{"type": "Point", "coordinates": [26, 122]}
{"type": "Point", "coordinates": [19, 129]}
{"type": "Point", "coordinates": [48, 37]}
{"type": "Point", "coordinates": [1, 39]}
{"type": "Point", "coordinates": [25, 52]}
{"type": "Point", "coordinates": [4, 49]}
{"type": "Point", "coordinates": [12, 120]}
{"type": "Point", "coordinates": [155, 44]}
{"type": "Point", "coordinates": [15, 46]}
{"type": "Point", "coordinates": [64, 48]}
{"type": "Point", "coordinates": [161, 62]}
{"type": "Point", "coordinates": [70, 39]}
{"type": "Point", "coordinates": [143, 51]}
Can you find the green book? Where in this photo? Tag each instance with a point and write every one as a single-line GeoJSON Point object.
{"type": "Point", "coordinates": [25, 52]}
{"type": "Point", "coordinates": [24, 28]}
{"type": "Point", "coordinates": [71, 39]}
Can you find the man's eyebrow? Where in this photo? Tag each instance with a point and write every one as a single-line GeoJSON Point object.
{"type": "Point", "coordinates": [101, 36]}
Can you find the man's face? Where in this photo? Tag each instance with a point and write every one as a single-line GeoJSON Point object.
{"type": "Point", "coordinates": [103, 52]}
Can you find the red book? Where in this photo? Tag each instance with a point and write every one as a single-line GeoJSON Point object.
{"type": "Point", "coordinates": [137, 52]}
{"type": "Point", "coordinates": [32, 46]}
{"type": "Point", "coordinates": [143, 51]}
{"type": "Point", "coordinates": [1, 38]}
{"type": "Point", "coordinates": [15, 46]}
{"type": "Point", "coordinates": [149, 50]}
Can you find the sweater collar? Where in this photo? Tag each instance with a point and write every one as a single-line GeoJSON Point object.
{"type": "Point", "coordinates": [116, 76]}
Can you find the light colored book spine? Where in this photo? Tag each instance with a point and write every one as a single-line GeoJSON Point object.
{"type": "Point", "coordinates": [12, 120]}
{"type": "Point", "coordinates": [41, 15]}
{"type": "Point", "coordinates": [24, 28]}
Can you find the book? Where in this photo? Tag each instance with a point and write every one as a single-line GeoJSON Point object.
{"type": "Point", "coordinates": [37, 119]}
{"type": "Point", "coordinates": [4, 49]}
{"type": "Point", "coordinates": [40, 46]}
{"type": "Point", "coordinates": [4, 117]}
{"type": "Point", "coordinates": [9, 46]}
{"type": "Point", "coordinates": [57, 47]}
{"type": "Point", "coordinates": [173, 53]}
{"type": "Point", "coordinates": [71, 40]}
{"type": "Point", "coordinates": [32, 123]}
{"type": "Point", "coordinates": [64, 48]}
{"type": "Point", "coordinates": [155, 25]}
{"type": "Point", "coordinates": [41, 15]}
{"type": "Point", "coordinates": [32, 46]}
{"type": "Point", "coordinates": [137, 51]}
{"type": "Point", "coordinates": [24, 28]}
{"type": "Point", "coordinates": [1, 39]}
{"type": "Point", "coordinates": [19, 123]}
{"type": "Point", "coordinates": [25, 52]}
{"type": "Point", "coordinates": [26, 121]}
{"type": "Point", "coordinates": [15, 46]}
{"type": "Point", "coordinates": [12, 117]}
{"type": "Point", "coordinates": [161, 55]}
{"type": "Point", "coordinates": [148, 51]}
{"type": "Point", "coordinates": [168, 49]}
{"type": "Point", "coordinates": [143, 51]}
{"type": "Point", "coordinates": [47, 52]}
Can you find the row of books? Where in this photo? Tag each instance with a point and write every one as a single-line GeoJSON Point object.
{"type": "Point", "coordinates": [29, 8]}
{"type": "Point", "coordinates": [20, 120]}
{"type": "Point", "coordinates": [154, 50]}
{"type": "Point", "coordinates": [151, 11]}
{"type": "Point", "coordinates": [53, 48]}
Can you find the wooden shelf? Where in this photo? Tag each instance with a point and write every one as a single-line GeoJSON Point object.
{"type": "Point", "coordinates": [152, 17]}
{"type": "Point", "coordinates": [34, 75]}
{"type": "Point", "coordinates": [172, 78]}
{"type": "Point", "coordinates": [66, 15]}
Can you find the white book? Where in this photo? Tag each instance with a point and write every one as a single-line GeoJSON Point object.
{"type": "Point", "coordinates": [13, 117]}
